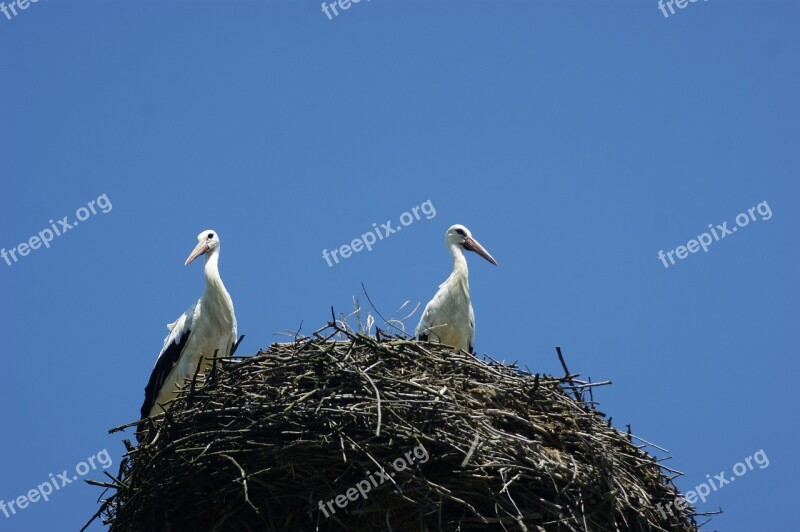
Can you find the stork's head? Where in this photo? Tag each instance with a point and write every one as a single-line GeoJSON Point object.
{"type": "Point", "coordinates": [459, 236]}
{"type": "Point", "coordinates": [207, 242]}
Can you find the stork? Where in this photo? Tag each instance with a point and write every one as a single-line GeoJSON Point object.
{"type": "Point", "coordinates": [207, 328]}
{"type": "Point", "coordinates": [448, 317]}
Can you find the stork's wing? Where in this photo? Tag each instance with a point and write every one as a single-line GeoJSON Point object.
{"type": "Point", "coordinates": [471, 329]}
{"type": "Point", "coordinates": [170, 353]}
{"type": "Point", "coordinates": [422, 331]}
{"type": "Point", "coordinates": [431, 316]}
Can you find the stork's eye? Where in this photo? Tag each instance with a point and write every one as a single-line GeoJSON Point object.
{"type": "Point", "coordinates": [210, 236]}
{"type": "Point", "coordinates": [461, 232]}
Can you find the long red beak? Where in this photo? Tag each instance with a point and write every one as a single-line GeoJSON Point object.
{"type": "Point", "coordinates": [470, 244]}
{"type": "Point", "coordinates": [200, 249]}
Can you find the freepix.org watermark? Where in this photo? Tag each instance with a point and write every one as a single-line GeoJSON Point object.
{"type": "Point", "coordinates": [719, 232]}
{"type": "Point", "coordinates": [663, 5]}
{"type": "Point", "coordinates": [10, 10]}
{"type": "Point", "coordinates": [43, 491]}
{"type": "Point", "coordinates": [373, 480]}
{"type": "Point", "coordinates": [368, 239]}
{"type": "Point", "coordinates": [344, 5]}
{"type": "Point", "coordinates": [704, 489]}
{"type": "Point", "coordinates": [46, 235]}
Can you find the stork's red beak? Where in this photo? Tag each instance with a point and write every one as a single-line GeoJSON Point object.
{"type": "Point", "coordinates": [470, 244]}
{"type": "Point", "coordinates": [200, 249]}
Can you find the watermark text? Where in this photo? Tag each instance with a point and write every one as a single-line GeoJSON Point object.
{"type": "Point", "coordinates": [719, 232]}
{"type": "Point", "coordinates": [368, 239]}
{"type": "Point", "coordinates": [54, 483]}
{"type": "Point", "coordinates": [46, 235]}
{"type": "Point", "coordinates": [373, 480]}
{"type": "Point", "coordinates": [704, 489]}
{"type": "Point", "coordinates": [663, 5]}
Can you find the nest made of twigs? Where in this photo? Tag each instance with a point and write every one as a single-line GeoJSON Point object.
{"type": "Point", "coordinates": [282, 441]}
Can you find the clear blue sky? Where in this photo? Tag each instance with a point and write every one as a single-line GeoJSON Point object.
{"type": "Point", "coordinates": [575, 139]}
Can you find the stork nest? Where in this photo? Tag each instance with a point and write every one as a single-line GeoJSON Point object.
{"type": "Point", "coordinates": [362, 434]}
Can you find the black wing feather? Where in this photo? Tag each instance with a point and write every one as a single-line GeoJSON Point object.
{"type": "Point", "coordinates": [163, 366]}
{"type": "Point", "coordinates": [235, 345]}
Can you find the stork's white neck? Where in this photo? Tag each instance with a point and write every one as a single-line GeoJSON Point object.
{"type": "Point", "coordinates": [213, 280]}
{"type": "Point", "coordinates": [459, 262]}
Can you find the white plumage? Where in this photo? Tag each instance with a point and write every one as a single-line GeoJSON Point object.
{"type": "Point", "coordinates": [448, 318]}
{"type": "Point", "coordinates": [208, 326]}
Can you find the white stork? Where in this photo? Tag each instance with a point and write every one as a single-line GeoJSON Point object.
{"type": "Point", "coordinates": [206, 328]}
{"type": "Point", "coordinates": [448, 317]}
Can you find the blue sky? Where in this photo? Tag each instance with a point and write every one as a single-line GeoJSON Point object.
{"type": "Point", "coordinates": [575, 139]}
